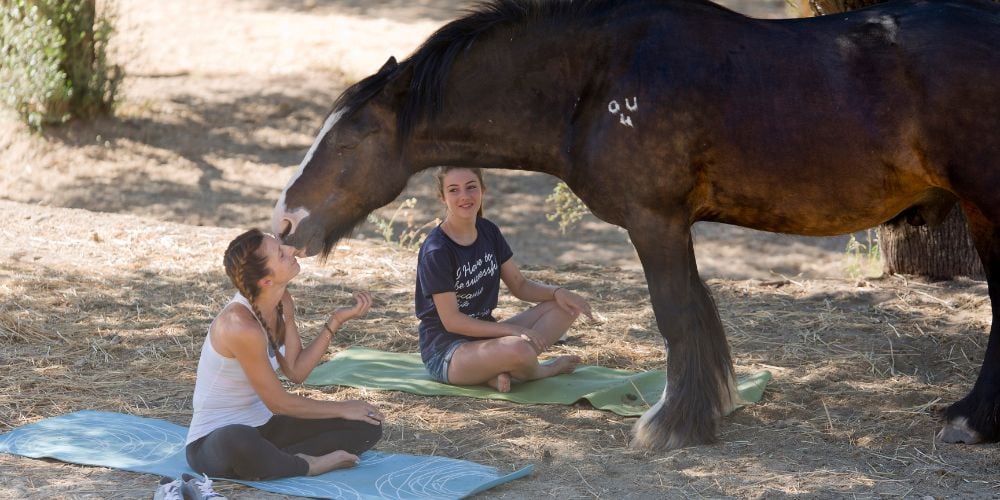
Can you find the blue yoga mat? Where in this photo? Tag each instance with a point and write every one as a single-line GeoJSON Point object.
{"type": "Point", "coordinates": [153, 446]}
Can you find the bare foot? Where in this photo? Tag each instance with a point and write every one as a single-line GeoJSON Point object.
{"type": "Point", "coordinates": [339, 459]}
{"type": "Point", "coordinates": [559, 365]}
{"type": "Point", "coordinates": [501, 383]}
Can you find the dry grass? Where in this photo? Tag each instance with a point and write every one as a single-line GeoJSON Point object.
{"type": "Point", "coordinates": [109, 312]}
{"type": "Point", "coordinates": [107, 308]}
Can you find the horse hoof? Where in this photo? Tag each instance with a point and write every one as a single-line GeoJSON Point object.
{"type": "Point", "coordinates": [959, 431]}
{"type": "Point", "coordinates": [657, 431]}
{"type": "Point", "coordinates": [648, 441]}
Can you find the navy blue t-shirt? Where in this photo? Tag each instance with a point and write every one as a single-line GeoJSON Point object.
{"type": "Point", "coordinates": [472, 272]}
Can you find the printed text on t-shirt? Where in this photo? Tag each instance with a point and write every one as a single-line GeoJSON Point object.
{"type": "Point", "coordinates": [468, 275]}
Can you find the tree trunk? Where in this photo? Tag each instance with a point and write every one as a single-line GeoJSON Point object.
{"type": "Point", "coordinates": [824, 7]}
{"type": "Point", "coordinates": [937, 252]}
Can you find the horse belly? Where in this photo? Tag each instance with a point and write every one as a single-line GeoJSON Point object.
{"type": "Point", "coordinates": [820, 207]}
{"type": "Point", "coordinates": [791, 178]}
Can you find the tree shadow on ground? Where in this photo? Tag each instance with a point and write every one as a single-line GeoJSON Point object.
{"type": "Point", "coordinates": [205, 162]}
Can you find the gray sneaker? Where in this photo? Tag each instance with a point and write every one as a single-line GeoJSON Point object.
{"type": "Point", "coordinates": [198, 488]}
{"type": "Point", "coordinates": [169, 489]}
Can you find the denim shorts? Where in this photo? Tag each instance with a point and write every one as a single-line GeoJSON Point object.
{"type": "Point", "coordinates": [437, 366]}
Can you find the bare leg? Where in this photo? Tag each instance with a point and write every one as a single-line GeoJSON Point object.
{"type": "Point", "coordinates": [484, 361]}
{"type": "Point", "coordinates": [546, 318]}
{"type": "Point", "coordinates": [331, 461]}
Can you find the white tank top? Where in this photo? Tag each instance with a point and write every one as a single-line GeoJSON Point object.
{"type": "Point", "coordinates": [222, 393]}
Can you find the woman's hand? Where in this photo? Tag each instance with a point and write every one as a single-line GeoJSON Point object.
{"type": "Point", "coordinates": [363, 302]}
{"type": "Point", "coordinates": [360, 411]}
{"type": "Point", "coordinates": [572, 303]}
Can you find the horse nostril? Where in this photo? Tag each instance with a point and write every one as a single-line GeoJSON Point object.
{"type": "Point", "coordinates": [284, 229]}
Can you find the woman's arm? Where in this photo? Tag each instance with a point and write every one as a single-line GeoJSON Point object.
{"type": "Point", "coordinates": [301, 362]}
{"type": "Point", "coordinates": [532, 291]}
{"type": "Point", "coordinates": [243, 338]}
{"type": "Point", "coordinates": [523, 288]}
{"type": "Point", "coordinates": [456, 321]}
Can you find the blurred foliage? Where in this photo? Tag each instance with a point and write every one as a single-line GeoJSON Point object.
{"type": "Point", "coordinates": [53, 60]}
{"type": "Point", "coordinates": [409, 237]}
{"type": "Point", "coordinates": [864, 259]}
{"type": "Point", "coordinates": [568, 209]}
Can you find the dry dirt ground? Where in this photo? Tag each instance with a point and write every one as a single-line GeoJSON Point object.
{"type": "Point", "coordinates": [110, 274]}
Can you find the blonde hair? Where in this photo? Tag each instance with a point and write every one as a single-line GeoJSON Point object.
{"type": "Point", "coordinates": [245, 268]}
{"type": "Point", "coordinates": [443, 171]}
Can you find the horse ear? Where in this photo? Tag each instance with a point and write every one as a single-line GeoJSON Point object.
{"type": "Point", "coordinates": [389, 65]}
{"type": "Point", "coordinates": [399, 83]}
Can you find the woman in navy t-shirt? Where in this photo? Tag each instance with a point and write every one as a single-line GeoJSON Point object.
{"type": "Point", "coordinates": [459, 269]}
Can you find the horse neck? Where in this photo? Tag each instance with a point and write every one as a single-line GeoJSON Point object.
{"type": "Point", "coordinates": [510, 104]}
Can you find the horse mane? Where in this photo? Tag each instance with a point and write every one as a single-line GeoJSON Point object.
{"type": "Point", "coordinates": [431, 63]}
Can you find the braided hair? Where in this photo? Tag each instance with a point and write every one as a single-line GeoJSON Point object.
{"type": "Point", "coordinates": [245, 268]}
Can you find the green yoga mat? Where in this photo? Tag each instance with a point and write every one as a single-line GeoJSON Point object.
{"type": "Point", "coordinates": [620, 391]}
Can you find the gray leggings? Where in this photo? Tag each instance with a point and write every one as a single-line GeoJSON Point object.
{"type": "Point", "coordinates": [268, 452]}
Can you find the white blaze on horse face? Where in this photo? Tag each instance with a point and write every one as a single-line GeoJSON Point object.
{"type": "Point", "coordinates": [281, 214]}
{"type": "Point", "coordinates": [614, 108]}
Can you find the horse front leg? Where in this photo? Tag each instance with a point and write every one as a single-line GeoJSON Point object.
{"type": "Point", "coordinates": [700, 385]}
{"type": "Point", "coordinates": [976, 417]}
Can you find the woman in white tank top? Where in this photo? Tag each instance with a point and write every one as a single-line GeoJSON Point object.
{"type": "Point", "coordinates": [245, 424]}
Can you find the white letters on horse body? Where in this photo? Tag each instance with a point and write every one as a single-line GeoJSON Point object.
{"type": "Point", "coordinates": [614, 108]}
{"type": "Point", "coordinates": [634, 106]}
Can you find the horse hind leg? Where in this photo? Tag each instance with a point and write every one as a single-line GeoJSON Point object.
{"type": "Point", "coordinates": [976, 418]}
{"type": "Point", "coordinates": [700, 386]}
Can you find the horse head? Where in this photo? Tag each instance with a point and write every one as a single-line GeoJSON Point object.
{"type": "Point", "coordinates": [354, 166]}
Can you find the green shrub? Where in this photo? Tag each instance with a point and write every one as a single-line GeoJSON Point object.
{"type": "Point", "coordinates": [863, 260]}
{"type": "Point", "coordinates": [409, 237]}
{"type": "Point", "coordinates": [568, 209]}
{"type": "Point", "coordinates": [53, 60]}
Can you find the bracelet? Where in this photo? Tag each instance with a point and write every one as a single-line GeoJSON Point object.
{"type": "Point", "coordinates": [554, 292]}
{"type": "Point", "coordinates": [326, 326]}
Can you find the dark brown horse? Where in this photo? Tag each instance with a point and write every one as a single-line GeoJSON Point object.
{"type": "Point", "coordinates": [662, 113]}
